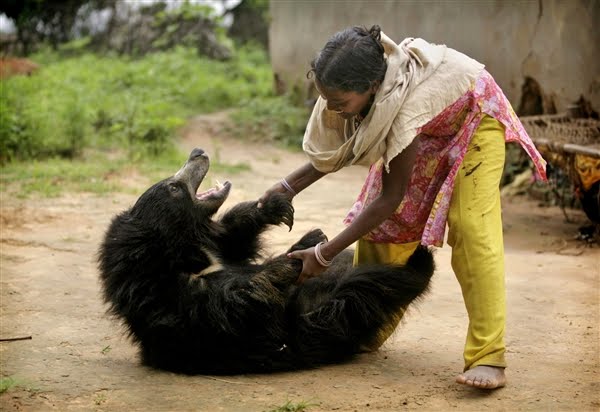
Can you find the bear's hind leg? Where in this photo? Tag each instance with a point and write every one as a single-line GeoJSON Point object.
{"type": "Point", "coordinates": [350, 315]}
{"type": "Point", "coordinates": [310, 239]}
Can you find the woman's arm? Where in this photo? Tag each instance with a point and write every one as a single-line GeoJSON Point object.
{"type": "Point", "coordinates": [303, 177]}
{"type": "Point", "coordinates": [394, 187]}
{"type": "Point", "coordinates": [298, 180]}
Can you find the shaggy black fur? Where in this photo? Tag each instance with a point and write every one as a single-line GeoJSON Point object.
{"type": "Point", "coordinates": [195, 299]}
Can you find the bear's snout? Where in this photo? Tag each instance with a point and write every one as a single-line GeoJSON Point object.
{"type": "Point", "coordinates": [197, 152]}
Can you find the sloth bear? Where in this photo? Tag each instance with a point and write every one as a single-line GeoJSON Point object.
{"type": "Point", "coordinates": [195, 298]}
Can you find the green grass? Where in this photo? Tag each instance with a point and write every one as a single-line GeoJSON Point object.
{"type": "Point", "coordinates": [74, 103]}
{"type": "Point", "coordinates": [6, 383]}
{"type": "Point", "coordinates": [272, 119]}
{"type": "Point", "coordinates": [97, 172]}
{"type": "Point", "coordinates": [52, 177]}
{"type": "Point", "coordinates": [9, 382]}
{"type": "Point", "coordinates": [61, 127]}
{"type": "Point", "coordinates": [100, 398]}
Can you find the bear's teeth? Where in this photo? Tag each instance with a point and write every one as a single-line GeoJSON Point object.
{"type": "Point", "coordinates": [206, 193]}
{"type": "Point", "coordinates": [218, 187]}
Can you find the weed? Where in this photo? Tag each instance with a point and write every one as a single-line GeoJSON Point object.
{"type": "Point", "coordinates": [290, 406]}
{"type": "Point", "coordinates": [6, 383]}
{"type": "Point", "coordinates": [100, 398]}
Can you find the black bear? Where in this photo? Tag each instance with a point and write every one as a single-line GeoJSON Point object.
{"type": "Point", "coordinates": [194, 295]}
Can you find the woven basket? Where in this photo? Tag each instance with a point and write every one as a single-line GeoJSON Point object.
{"type": "Point", "coordinates": [561, 132]}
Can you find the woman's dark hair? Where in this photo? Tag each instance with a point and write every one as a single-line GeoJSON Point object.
{"type": "Point", "coordinates": [351, 60]}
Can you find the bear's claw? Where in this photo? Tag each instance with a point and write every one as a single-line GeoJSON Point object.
{"type": "Point", "coordinates": [278, 209]}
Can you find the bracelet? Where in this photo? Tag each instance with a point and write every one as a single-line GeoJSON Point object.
{"type": "Point", "coordinates": [287, 186]}
{"type": "Point", "coordinates": [322, 261]}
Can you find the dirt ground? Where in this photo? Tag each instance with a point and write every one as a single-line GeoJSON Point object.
{"type": "Point", "coordinates": [78, 359]}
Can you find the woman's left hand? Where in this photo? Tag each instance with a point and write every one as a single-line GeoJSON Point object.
{"type": "Point", "coordinates": [310, 266]}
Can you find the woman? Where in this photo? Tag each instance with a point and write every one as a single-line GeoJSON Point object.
{"type": "Point", "coordinates": [432, 125]}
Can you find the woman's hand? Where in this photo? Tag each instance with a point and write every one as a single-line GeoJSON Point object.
{"type": "Point", "coordinates": [310, 266]}
{"type": "Point", "coordinates": [276, 188]}
{"type": "Point", "coordinates": [296, 182]}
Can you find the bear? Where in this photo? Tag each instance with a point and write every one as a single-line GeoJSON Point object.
{"type": "Point", "coordinates": [196, 295]}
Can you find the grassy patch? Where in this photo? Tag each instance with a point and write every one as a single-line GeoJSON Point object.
{"type": "Point", "coordinates": [6, 383]}
{"type": "Point", "coordinates": [272, 119]}
{"type": "Point", "coordinates": [98, 124]}
{"type": "Point", "coordinates": [52, 177]}
{"type": "Point", "coordinates": [98, 172]}
{"type": "Point", "coordinates": [78, 102]}
{"type": "Point", "coordinates": [9, 382]}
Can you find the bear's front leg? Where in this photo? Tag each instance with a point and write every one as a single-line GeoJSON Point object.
{"type": "Point", "coordinates": [243, 224]}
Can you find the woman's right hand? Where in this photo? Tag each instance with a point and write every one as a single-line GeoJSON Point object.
{"type": "Point", "coordinates": [276, 188]}
{"type": "Point", "coordinates": [310, 265]}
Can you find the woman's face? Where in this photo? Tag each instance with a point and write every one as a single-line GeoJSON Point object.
{"type": "Point", "coordinates": [346, 104]}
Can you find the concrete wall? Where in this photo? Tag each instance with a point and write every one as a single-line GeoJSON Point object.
{"type": "Point", "coordinates": [557, 42]}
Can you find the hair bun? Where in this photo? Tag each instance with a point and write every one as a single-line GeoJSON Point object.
{"type": "Point", "coordinates": [375, 32]}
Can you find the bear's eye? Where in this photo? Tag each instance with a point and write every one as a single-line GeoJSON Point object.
{"type": "Point", "coordinates": [174, 188]}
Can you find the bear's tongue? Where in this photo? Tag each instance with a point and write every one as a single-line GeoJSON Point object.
{"type": "Point", "coordinates": [209, 192]}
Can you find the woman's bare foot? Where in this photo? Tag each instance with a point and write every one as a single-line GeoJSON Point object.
{"type": "Point", "coordinates": [484, 377]}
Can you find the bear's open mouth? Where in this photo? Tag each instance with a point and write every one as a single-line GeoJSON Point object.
{"type": "Point", "coordinates": [220, 190]}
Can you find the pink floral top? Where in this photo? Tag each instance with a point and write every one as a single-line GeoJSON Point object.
{"type": "Point", "coordinates": [443, 144]}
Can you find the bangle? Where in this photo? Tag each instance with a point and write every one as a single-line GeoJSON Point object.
{"type": "Point", "coordinates": [287, 186]}
{"type": "Point", "coordinates": [322, 261]}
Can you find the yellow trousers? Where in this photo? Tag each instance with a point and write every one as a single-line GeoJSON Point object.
{"type": "Point", "coordinates": [475, 235]}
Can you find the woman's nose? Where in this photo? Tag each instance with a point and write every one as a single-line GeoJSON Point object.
{"type": "Point", "coordinates": [333, 108]}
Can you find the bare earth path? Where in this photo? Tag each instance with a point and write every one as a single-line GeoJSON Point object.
{"type": "Point", "coordinates": [78, 359]}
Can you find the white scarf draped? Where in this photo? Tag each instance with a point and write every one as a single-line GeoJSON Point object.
{"type": "Point", "coordinates": [421, 80]}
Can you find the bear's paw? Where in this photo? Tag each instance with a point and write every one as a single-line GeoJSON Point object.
{"type": "Point", "coordinates": [277, 210]}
